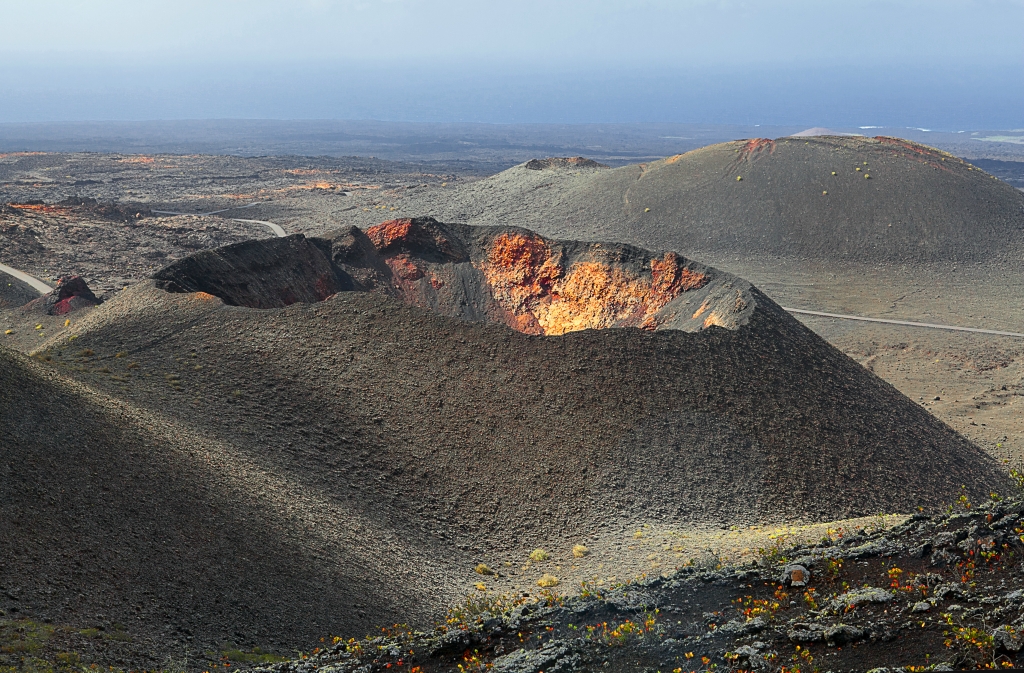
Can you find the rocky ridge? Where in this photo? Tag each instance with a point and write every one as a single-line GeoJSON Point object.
{"type": "Point", "coordinates": [944, 592]}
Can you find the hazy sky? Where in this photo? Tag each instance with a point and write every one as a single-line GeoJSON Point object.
{"type": "Point", "coordinates": [462, 59]}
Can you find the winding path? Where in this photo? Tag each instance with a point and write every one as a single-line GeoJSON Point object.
{"type": "Point", "coordinates": [36, 284]}
{"type": "Point", "coordinates": [903, 322]}
{"type": "Point", "coordinates": [276, 228]}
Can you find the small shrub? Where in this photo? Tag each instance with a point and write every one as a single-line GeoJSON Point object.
{"type": "Point", "coordinates": [476, 606]}
{"type": "Point", "coordinates": [579, 551]}
{"type": "Point", "coordinates": [547, 580]}
{"type": "Point", "coordinates": [483, 569]}
{"type": "Point", "coordinates": [775, 552]}
{"type": "Point", "coordinates": [590, 589]}
{"type": "Point", "coordinates": [538, 555]}
{"type": "Point", "coordinates": [85, 353]}
{"type": "Point", "coordinates": [1015, 473]}
{"type": "Point", "coordinates": [974, 646]}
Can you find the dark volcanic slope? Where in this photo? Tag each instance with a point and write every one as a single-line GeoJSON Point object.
{"type": "Point", "coordinates": [355, 458]}
{"type": "Point", "coordinates": [919, 204]}
{"type": "Point", "coordinates": [114, 514]}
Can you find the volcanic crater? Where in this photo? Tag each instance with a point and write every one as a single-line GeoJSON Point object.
{"type": "Point", "coordinates": [503, 275]}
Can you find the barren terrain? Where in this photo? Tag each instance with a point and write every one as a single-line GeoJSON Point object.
{"type": "Point", "coordinates": [397, 434]}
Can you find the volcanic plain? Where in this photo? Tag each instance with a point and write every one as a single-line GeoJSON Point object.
{"type": "Point", "coordinates": [236, 439]}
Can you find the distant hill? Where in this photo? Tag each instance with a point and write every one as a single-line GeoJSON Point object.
{"type": "Point", "coordinates": [828, 198]}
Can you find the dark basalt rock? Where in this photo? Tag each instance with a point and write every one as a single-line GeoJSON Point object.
{"type": "Point", "coordinates": [71, 294]}
{"type": "Point", "coordinates": [270, 273]}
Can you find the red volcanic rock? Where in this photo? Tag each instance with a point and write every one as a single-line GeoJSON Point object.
{"type": "Point", "coordinates": [71, 294]}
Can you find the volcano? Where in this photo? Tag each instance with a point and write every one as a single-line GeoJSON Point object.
{"type": "Point", "coordinates": [300, 436]}
{"type": "Point", "coordinates": [832, 199]}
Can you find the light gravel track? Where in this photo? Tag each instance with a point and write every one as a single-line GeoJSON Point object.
{"type": "Point", "coordinates": [903, 322]}
{"type": "Point", "coordinates": [32, 281]}
{"type": "Point", "coordinates": [276, 228]}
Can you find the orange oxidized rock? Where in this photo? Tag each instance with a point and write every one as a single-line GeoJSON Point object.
{"type": "Point", "coordinates": [386, 233]}
{"type": "Point", "coordinates": [528, 280]}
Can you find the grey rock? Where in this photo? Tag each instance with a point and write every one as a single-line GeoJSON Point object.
{"type": "Point", "coordinates": [921, 606]}
{"type": "Point", "coordinates": [450, 642]}
{"type": "Point", "coordinates": [556, 656]}
{"type": "Point", "coordinates": [632, 599]}
{"type": "Point", "coordinates": [746, 652]}
{"type": "Point", "coordinates": [868, 550]}
{"type": "Point", "coordinates": [852, 599]}
{"type": "Point", "coordinates": [754, 657]}
{"type": "Point", "coordinates": [921, 551]}
{"type": "Point", "coordinates": [743, 627]}
{"type": "Point", "coordinates": [843, 634]}
{"type": "Point", "coordinates": [806, 633]}
{"type": "Point", "coordinates": [943, 590]}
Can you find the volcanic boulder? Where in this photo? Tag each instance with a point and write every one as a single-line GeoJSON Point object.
{"type": "Point", "coordinates": [71, 294]}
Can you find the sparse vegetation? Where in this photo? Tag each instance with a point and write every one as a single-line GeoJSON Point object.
{"type": "Point", "coordinates": [538, 555]}
{"type": "Point", "coordinates": [23, 636]}
{"type": "Point", "coordinates": [547, 581]}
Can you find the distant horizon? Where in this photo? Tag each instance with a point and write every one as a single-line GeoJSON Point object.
{"type": "Point", "coordinates": [939, 99]}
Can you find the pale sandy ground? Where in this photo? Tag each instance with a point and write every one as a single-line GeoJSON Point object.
{"type": "Point", "coordinates": [649, 550]}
